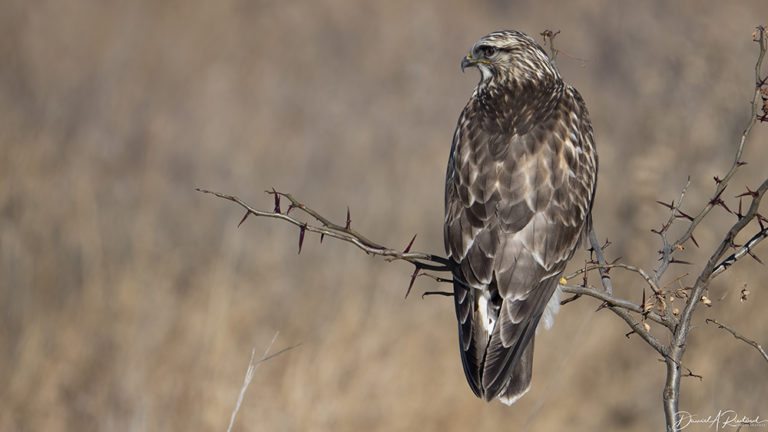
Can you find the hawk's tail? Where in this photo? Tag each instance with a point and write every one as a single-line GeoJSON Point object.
{"type": "Point", "coordinates": [520, 380]}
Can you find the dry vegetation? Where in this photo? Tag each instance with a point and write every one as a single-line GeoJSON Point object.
{"type": "Point", "coordinates": [130, 302]}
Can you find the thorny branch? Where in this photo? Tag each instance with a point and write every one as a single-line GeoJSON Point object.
{"type": "Point", "coordinates": [667, 249]}
{"type": "Point", "coordinates": [677, 345]}
{"type": "Point", "coordinates": [641, 329]}
{"type": "Point", "coordinates": [327, 228]}
{"type": "Point", "coordinates": [744, 250]}
{"type": "Point", "coordinates": [737, 162]}
{"type": "Point", "coordinates": [654, 308]}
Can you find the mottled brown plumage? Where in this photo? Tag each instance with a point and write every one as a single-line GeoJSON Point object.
{"type": "Point", "coordinates": [519, 189]}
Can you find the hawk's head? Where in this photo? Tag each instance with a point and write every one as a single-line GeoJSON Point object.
{"type": "Point", "coordinates": [509, 55]}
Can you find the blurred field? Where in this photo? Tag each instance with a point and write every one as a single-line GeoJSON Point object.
{"type": "Point", "coordinates": [128, 301]}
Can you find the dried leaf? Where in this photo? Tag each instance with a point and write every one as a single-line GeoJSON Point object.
{"type": "Point", "coordinates": [744, 294]}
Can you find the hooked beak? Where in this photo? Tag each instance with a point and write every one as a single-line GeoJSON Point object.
{"type": "Point", "coordinates": [470, 61]}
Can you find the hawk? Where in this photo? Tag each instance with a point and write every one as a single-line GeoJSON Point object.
{"type": "Point", "coordinates": [518, 195]}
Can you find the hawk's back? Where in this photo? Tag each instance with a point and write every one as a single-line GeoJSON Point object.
{"type": "Point", "coordinates": [519, 189]}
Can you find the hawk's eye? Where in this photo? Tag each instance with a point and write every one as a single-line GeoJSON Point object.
{"type": "Point", "coordinates": [487, 51]}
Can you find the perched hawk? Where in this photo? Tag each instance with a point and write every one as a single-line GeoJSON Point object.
{"type": "Point", "coordinates": [518, 195]}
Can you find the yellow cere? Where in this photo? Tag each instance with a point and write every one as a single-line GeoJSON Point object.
{"type": "Point", "coordinates": [469, 57]}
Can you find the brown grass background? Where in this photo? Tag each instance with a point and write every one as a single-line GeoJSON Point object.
{"type": "Point", "coordinates": [128, 301]}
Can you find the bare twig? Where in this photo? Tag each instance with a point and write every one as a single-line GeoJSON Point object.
{"type": "Point", "coordinates": [249, 374]}
{"type": "Point", "coordinates": [627, 267]}
{"type": "Point", "coordinates": [739, 336]}
{"type": "Point", "coordinates": [619, 303]}
{"type": "Point", "coordinates": [549, 39]}
{"type": "Point", "coordinates": [667, 249]}
{"type": "Point", "coordinates": [636, 326]}
{"type": "Point", "coordinates": [550, 36]}
{"type": "Point", "coordinates": [440, 293]}
{"type": "Point", "coordinates": [605, 279]}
